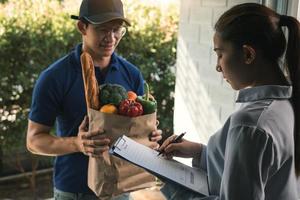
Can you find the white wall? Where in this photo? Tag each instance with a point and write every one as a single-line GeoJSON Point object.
{"type": "Point", "coordinates": [203, 100]}
{"type": "Point", "coordinates": [294, 8]}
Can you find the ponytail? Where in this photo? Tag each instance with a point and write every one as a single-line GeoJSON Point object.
{"type": "Point", "coordinates": [292, 60]}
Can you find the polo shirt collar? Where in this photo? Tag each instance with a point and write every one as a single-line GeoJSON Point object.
{"type": "Point", "coordinates": [264, 92]}
{"type": "Point", "coordinates": [114, 63]}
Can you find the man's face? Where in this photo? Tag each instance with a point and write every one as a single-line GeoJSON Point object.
{"type": "Point", "coordinates": [101, 40]}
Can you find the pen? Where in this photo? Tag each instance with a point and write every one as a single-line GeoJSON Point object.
{"type": "Point", "coordinates": [176, 140]}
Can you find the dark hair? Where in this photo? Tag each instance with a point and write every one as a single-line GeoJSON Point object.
{"type": "Point", "coordinates": [261, 27]}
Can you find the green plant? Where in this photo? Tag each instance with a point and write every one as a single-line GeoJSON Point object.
{"type": "Point", "coordinates": [150, 43]}
{"type": "Point", "coordinates": [32, 36]}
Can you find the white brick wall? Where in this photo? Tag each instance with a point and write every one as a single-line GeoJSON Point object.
{"type": "Point", "coordinates": [214, 3]}
{"type": "Point", "coordinates": [201, 15]}
{"type": "Point", "coordinates": [190, 31]}
{"type": "Point", "coordinates": [234, 2]}
{"type": "Point", "coordinates": [202, 100]}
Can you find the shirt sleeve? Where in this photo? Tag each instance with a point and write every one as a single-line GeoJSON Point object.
{"type": "Point", "coordinates": [45, 104]}
{"type": "Point", "coordinates": [248, 157]}
{"type": "Point", "coordinates": [201, 162]}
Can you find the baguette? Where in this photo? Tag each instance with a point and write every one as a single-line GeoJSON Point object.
{"type": "Point", "coordinates": [91, 88]}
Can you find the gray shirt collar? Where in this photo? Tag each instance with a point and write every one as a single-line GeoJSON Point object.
{"type": "Point", "coordinates": [264, 92]}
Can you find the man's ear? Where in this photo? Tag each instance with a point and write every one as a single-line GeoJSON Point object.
{"type": "Point", "coordinates": [249, 54]}
{"type": "Point", "coordinates": [81, 27]}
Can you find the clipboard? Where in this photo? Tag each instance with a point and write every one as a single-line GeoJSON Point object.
{"type": "Point", "coordinates": [194, 179]}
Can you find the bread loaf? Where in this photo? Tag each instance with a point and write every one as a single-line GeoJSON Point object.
{"type": "Point", "coordinates": [91, 87]}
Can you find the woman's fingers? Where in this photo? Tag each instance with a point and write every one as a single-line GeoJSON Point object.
{"type": "Point", "coordinates": [166, 142]}
{"type": "Point", "coordinates": [173, 147]}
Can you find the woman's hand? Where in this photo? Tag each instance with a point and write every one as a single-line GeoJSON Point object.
{"type": "Point", "coordinates": [92, 143]}
{"type": "Point", "coordinates": [184, 148]}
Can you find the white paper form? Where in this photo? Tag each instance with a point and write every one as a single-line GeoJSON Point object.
{"type": "Point", "coordinates": [147, 158]}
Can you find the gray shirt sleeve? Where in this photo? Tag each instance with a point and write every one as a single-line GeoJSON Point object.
{"type": "Point", "coordinates": [201, 162]}
{"type": "Point", "coordinates": [248, 157]}
{"type": "Point", "coordinates": [249, 153]}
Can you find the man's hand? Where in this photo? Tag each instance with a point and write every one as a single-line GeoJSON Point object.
{"type": "Point", "coordinates": [184, 148]}
{"type": "Point", "coordinates": [92, 143]}
{"type": "Point", "coordinates": [156, 135]}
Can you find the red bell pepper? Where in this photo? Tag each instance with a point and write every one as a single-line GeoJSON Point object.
{"type": "Point", "coordinates": [130, 108]}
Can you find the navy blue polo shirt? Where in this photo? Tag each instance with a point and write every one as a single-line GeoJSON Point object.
{"type": "Point", "coordinates": [58, 98]}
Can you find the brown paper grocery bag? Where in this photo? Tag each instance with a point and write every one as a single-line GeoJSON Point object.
{"type": "Point", "coordinates": [110, 176]}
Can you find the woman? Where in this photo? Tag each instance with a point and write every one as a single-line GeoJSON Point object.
{"type": "Point", "coordinates": [255, 155]}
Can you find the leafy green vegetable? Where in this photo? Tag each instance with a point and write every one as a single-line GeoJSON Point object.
{"type": "Point", "coordinates": [112, 94]}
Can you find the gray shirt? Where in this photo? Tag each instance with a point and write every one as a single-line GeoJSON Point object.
{"type": "Point", "coordinates": [252, 156]}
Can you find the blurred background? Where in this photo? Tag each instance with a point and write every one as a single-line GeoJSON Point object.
{"type": "Point", "coordinates": [169, 40]}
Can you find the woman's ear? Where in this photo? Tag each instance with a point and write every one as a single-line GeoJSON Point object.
{"type": "Point", "coordinates": [249, 54]}
{"type": "Point", "coordinates": [81, 27]}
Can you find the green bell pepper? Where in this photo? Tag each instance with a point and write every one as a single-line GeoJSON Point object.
{"type": "Point", "coordinates": [149, 104]}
